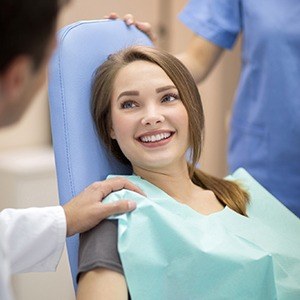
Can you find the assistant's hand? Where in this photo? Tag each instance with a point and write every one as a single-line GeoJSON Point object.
{"type": "Point", "coordinates": [85, 210]}
{"type": "Point", "coordinates": [129, 20]}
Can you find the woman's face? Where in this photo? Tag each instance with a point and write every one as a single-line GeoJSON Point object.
{"type": "Point", "coordinates": [149, 121]}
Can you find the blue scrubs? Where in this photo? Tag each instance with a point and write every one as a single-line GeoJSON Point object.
{"type": "Point", "coordinates": [265, 127]}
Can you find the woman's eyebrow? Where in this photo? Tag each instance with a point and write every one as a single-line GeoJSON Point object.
{"type": "Point", "coordinates": [165, 88]}
{"type": "Point", "coordinates": [128, 93]}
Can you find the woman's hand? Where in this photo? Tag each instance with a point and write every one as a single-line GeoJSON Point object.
{"type": "Point", "coordinates": [129, 20]}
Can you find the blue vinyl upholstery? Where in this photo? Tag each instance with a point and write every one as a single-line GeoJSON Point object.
{"type": "Point", "coordinates": [80, 157]}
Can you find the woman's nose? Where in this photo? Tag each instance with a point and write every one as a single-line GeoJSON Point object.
{"type": "Point", "coordinates": [152, 117]}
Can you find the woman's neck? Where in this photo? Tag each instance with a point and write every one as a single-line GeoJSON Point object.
{"type": "Point", "coordinates": [174, 181]}
{"type": "Point", "coordinates": [177, 184]}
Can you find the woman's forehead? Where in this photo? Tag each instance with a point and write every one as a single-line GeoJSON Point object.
{"type": "Point", "coordinates": [140, 74]}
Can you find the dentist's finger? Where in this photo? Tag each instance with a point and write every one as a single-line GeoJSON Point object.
{"type": "Point", "coordinates": [111, 16]}
{"type": "Point", "coordinates": [129, 19]}
{"type": "Point", "coordinates": [118, 207]}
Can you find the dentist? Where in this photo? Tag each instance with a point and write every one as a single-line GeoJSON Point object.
{"type": "Point", "coordinates": [32, 239]}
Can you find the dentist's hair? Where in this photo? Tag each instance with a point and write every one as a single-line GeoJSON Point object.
{"type": "Point", "coordinates": [228, 192]}
{"type": "Point", "coordinates": [26, 27]}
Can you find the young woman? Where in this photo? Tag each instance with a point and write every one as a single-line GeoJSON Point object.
{"type": "Point", "coordinates": [148, 112]}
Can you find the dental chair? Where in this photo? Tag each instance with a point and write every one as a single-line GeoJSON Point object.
{"type": "Point", "coordinates": [80, 158]}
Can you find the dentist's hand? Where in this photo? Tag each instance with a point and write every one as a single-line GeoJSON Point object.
{"type": "Point", "coordinates": [85, 210]}
{"type": "Point", "coordinates": [129, 20]}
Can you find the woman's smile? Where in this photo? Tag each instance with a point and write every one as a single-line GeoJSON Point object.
{"type": "Point", "coordinates": [156, 138]}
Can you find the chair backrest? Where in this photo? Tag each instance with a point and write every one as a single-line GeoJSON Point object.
{"type": "Point", "coordinates": [80, 157]}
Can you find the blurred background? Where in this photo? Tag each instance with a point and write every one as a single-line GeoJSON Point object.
{"type": "Point", "coordinates": [27, 170]}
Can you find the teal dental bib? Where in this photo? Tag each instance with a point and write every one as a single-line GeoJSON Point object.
{"type": "Point", "coordinates": [170, 251]}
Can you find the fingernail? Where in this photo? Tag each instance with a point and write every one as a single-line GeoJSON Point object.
{"type": "Point", "coordinates": [129, 22]}
{"type": "Point", "coordinates": [131, 205]}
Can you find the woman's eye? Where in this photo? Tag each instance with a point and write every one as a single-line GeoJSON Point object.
{"type": "Point", "coordinates": [128, 104]}
{"type": "Point", "coordinates": [170, 98]}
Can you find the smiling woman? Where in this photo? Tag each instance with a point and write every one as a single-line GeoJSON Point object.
{"type": "Point", "coordinates": [148, 112]}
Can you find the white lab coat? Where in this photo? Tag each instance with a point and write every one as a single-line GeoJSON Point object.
{"type": "Point", "coordinates": [31, 240]}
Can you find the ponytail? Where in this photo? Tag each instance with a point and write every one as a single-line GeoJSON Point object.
{"type": "Point", "coordinates": [228, 193]}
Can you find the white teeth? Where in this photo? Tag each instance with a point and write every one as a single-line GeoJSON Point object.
{"type": "Point", "coordinates": [155, 138]}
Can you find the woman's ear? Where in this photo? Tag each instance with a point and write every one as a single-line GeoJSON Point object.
{"type": "Point", "coordinates": [112, 134]}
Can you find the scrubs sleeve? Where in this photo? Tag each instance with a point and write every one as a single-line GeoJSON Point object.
{"type": "Point", "coordinates": [98, 248]}
{"type": "Point", "coordinates": [218, 21]}
{"type": "Point", "coordinates": [34, 238]}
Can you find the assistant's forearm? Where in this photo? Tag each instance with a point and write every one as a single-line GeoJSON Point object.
{"type": "Point", "coordinates": [200, 57]}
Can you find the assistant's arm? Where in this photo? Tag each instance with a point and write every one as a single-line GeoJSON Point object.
{"type": "Point", "coordinates": [200, 56]}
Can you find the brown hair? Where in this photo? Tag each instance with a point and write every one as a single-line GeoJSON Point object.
{"type": "Point", "coordinates": [228, 192]}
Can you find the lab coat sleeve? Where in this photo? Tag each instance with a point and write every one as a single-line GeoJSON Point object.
{"type": "Point", "coordinates": [34, 238]}
{"type": "Point", "coordinates": [5, 284]}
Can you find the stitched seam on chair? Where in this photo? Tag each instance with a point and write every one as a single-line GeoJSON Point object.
{"type": "Point", "coordinates": [68, 154]}
{"type": "Point", "coordinates": [65, 120]}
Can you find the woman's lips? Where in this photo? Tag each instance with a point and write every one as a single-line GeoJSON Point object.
{"type": "Point", "coordinates": [155, 139]}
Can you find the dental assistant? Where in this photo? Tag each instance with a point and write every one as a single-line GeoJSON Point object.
{"type": "Point", "coordinates": [265, 125]}
{"type": "Point", "coordinates": [32, 239]}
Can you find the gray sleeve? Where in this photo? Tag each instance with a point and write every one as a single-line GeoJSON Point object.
{"type": "Point", "coordinates": [98, 248]}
